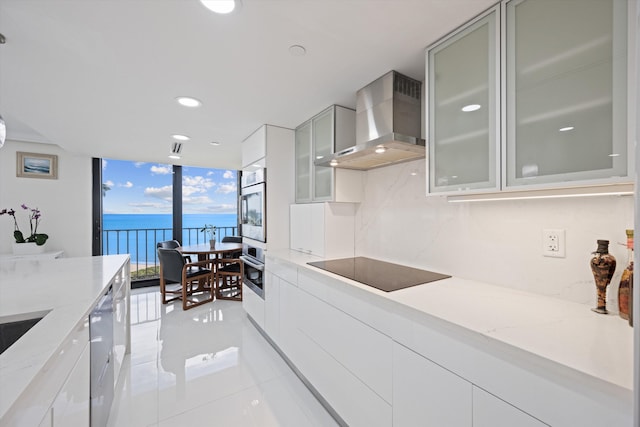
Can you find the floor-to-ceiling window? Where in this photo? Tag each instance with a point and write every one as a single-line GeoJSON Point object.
{"type": "Point", "coordinates": [209, 197]}
{"type": "Point", "coordinates": [141, 204]}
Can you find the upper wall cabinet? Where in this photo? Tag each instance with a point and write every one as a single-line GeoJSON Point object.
{"type": "Point", "coordinates": [532, 94]}
{"type": "Point", "coordinates": [463, 108]}
{"type": "Point", "coordinates": [566, 91]}
{"type": "Point", "coordinates": [329, 131]}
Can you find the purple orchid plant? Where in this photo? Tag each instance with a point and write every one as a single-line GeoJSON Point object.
{"type": "Point", "coordinates": [34, 220]}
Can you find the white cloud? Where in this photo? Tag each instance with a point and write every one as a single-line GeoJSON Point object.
{"type": "Point", "coordinates": [210, 173]}
{"type": "Point", "coordinates": [160, 170]}
{"type": "Point", "coordinates": [228, 175]}
{"type": "Point", "coordinates": [188, 190]}
{"type": "Point", "coordinates": [197, 181]}
{"type": "Point", "coordinates": [104, 164]}
{"type": "Point", "coordinates": [215, 209]}
{"type": "Point", "coordinates": [200, 200]}
{"type": "Point", "coordinates": [164, 193]}
{"type": "Point", "coordinates": [139, 164]}
{"type": "Point", "coordinates": [150, 205]}
{"type": "Point", "coordinates": [127, 184]}
{"type": "Point", "coordinates": [109, 184]}
{"type": "Point", "coordinates": [227, 188]}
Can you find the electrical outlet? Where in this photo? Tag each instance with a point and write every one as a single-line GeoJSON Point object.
{"type": "Point", "coordinates": [553, 242]}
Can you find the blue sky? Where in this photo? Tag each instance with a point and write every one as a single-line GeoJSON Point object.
{"type": "Point", "coordinates": [137, 187]}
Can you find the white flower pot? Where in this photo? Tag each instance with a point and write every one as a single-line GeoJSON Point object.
{"type": "Point", "coordinates": [28, 248]}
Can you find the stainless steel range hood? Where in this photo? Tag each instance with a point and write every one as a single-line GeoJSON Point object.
{"type": "Point", "coordinates": [388, 125]}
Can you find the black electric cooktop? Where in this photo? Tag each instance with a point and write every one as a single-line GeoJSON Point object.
{"type": "Point", "coordinates": [382, 275]}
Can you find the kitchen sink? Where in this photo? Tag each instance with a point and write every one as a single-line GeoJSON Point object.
{"type": "Point", "coordinates": [12, 328]}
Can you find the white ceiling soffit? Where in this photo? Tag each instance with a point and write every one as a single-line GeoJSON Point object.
{"type": "Point", "coordinates": [100, 77]}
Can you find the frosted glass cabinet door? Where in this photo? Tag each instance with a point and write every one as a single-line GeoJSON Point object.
{"type": "Point", "coordinates": [566, 91]}
{"type": "Point", "coordinates": [463, 110]}
{"type": "Point", "coordinates": [323, 139]}
{"type": "Point", "coordinates": [303, 162]}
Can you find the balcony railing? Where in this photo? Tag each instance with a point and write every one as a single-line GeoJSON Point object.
{"type": "Point", "coordinates": [141, 244]}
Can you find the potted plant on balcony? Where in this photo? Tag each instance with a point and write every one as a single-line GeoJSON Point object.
{"type": "Point", "coordinates": [34, 243]}
{"type": "Point", "coordinates": [211, 231]}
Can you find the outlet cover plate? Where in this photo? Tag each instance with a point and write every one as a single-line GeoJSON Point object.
{"type": "Point", "coordinates": [553, 242]}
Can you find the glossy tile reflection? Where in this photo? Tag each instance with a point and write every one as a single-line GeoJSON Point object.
{"type": "Point", "coordinates": [206, 366]}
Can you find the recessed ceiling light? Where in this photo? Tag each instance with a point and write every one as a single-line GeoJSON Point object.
{"type": "Point", "coordinates": [333, 163]}
{"type": "Point", "coordinates": [219, 6]}
{"type": "Point", "coordinates": [174, 156]}
{"type": "Point", "coordinates": [214, 143]}
{"type": "Point", "coordinates": [319, 157]}
{"type": "Point", "coordinates": [179, 137]}
{"type": "Point", "coordinates": [297, 50]}
{"type": "Point", "coordinates": [566, 129]}
{"type": "Point", "coordinates": [187, 101]}
{"type": "Point", "coordinates": [471, 107]}
{"type": "Point", "coordinates": [614, 155]}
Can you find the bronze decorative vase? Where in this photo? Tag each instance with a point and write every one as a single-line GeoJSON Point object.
{"type": "Point", "coordinates": [603, 265]}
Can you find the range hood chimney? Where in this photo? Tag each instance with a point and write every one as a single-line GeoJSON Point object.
{"type": "Point", "coordinates": [388, 125]}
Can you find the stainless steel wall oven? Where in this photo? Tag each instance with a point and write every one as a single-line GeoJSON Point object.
{"type": "Point", "coordinates": [253, 259]}
{"type": "Point", "coordinates": [253, 205]}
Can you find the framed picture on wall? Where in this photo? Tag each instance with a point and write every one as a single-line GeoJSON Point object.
{"type": "Point", "coordinates": [36, 165]}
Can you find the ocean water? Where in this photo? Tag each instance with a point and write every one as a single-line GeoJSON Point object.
{"type": "Point", "coordinates": [138, 234]}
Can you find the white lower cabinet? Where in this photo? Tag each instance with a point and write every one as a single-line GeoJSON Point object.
{"type": "Point", "coordinates": [489, 411]}
{"type": "Point", "coordinates": [68, 380]}
{"type": "Point", "coordinates": [363, 351]}
{"type": "Point", "coordinates": [253, 305]}
{"type": "Point", "coordinates": [426, 394]}
{"type": "Point", "coordinates": [272, 306]}
{"type": "Point", "coordinates": [356, 403]}
{"type": "Point", "coordinates": [342, 366]}
{"type": "Point", "coordinates": [71, 406]}
{"type": "Point", "coordinates": [414, 374]}
{"type": "Point", "coordinates": [120, 321]}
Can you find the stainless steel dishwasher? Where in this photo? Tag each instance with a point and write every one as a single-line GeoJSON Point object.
{"type": "Point", "coordinates": [101, 333]}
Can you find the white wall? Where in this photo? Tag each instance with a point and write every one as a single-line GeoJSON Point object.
{"type": "Point", "coordinates": [497, 242]}
{"type": "Point", "coordinates": [65, 203]}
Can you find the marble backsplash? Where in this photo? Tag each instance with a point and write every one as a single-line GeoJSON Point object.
{"type": "Point", "coordinates": [498, 242]}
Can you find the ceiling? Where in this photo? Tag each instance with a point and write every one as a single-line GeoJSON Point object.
{"type": "Point", "coordinates": [100, 77]}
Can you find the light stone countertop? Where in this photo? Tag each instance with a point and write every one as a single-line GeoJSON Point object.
{"type": "Point", "coordinates": [539, 328]}
{"type": "Point", "coordinates": [66, 288]}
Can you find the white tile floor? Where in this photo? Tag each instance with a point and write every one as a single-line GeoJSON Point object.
{"type": "Point", "coordinates": [207, 366]}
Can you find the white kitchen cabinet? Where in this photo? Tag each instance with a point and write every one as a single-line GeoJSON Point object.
{"type": "Point", "coordinates": [489, 411]}
{"type": "Point", "coordinates": [304, 163]}
{"type": "Point", "coordinates": [561, 119]}
{"type": "Point", "coordinates": [289, 333]}
{"type": "Point", "coordinates": [63, 390]}
{"type": "Point", "coordinates": [566, 92]}
{"type": "Point", "coordinates": [352, 346]}
{"type": "Point", "coordinates": [323, 229]}
{"type": "Point", "coordinates": [254, 147]}
{"type": "Point", "coordinates": [425, 393]}
{"type": "Point", "coordinates": [121, 324]}
{"type": "Point", "coordinates": [328, 132]}
{"type": "Point", "coordinates": [272, 147]}
{"type": "Point", "coordinates": [253, 305]}
{"type": "Point", "coordinates": [356, 403]}
{"type": "Point", "coordinates": [272, 305]}
{"type": "Point", "coordinates": [463, 110]}
{"type": "Point", "coordinates": [71, 407]}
